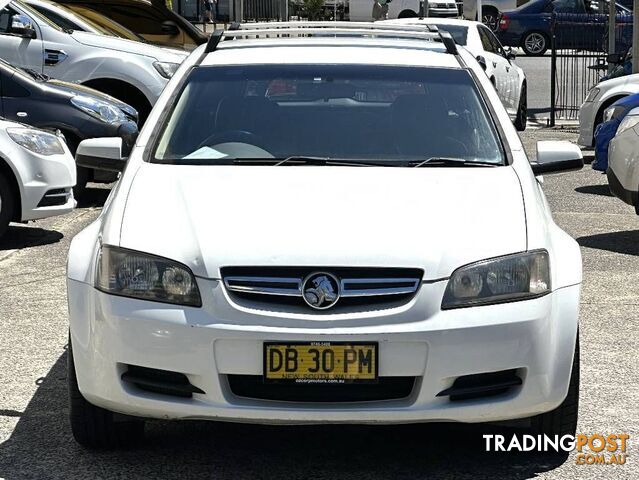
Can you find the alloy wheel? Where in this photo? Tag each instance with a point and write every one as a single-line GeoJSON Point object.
{"type": "Point", "coordinates": [535, 43]}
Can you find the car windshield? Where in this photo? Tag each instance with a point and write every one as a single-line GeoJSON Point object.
{"type": "Point", "coordinates": [389, 114]}
{"type": "Point", "coordinates": [458, 32]}
{"type": "Point", "coordinates": [100, 23]}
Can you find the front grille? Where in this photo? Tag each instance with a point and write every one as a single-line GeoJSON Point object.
{"type": "Point", "coordinates": [356, 286]}
{"type": "Point", "coordinates": [387, 388]}
{"type": "Point", "coordinates": [160, 381]}
{"type": "Point", "coordinates": [55, 197]}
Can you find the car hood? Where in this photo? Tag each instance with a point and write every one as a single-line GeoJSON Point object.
{"type": "Point", "coordinates": [626, 83]}
{"type": "Point", "coordinates": [438, 219]}
{"type": "Point", "coordinates": [161, 54]}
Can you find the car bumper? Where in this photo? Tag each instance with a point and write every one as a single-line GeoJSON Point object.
{"type": "Point", "coordinates": [587, 114]}
{"type": "Point", "coordinates": [46, 185]}
{"type": "Point", "coordinates": [623, 167]}
{"type": "Point", "coordinates": [536, 337]}
{"type": "Point", "coordinates": [443, 12]}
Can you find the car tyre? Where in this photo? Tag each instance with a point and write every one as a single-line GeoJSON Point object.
{"type": "Point", "coordinates": [563, 419]}
{"type": "Point", "coordinates": [522, 111]}
{"type": "Point", "coordinates": [94, 427]}
{"type": "Point", "coordinates": [407, 14]}
{"type": "Point", "coordinates": [489, 18]}
{"type": "Point", "coordinates": [7, 204]}
{"type": "Point", "coordinates": [535, 43]}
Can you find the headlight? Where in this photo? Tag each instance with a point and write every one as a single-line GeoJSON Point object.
{"type": "Point", "coordinates": [98, 109]}
{"type": "Point", "coordinates": [628, 122]}
{"type": "Point", "coordinates": [592, 94]}
{"type": "Point", "coordinates": [36, 141]}
{"type": "Point", "coordinates": [613, 112]}
{"type": "Point", "coordinates": [504, 279]}
{"type": "Point", "coordinates": [147, 277]}
{"type": "Point", "coordinates": [166, 69]}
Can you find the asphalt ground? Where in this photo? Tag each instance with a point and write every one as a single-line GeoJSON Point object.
{"type": "Point", "coordinates": [35, 438]}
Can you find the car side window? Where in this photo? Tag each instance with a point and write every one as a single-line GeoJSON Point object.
{"type": "Point", "coordinates": [496, 44]}
{"type": "Point", "coordinates": [5, 20]}
{"type": "Point", "coordinates": [486, 42]}
{"type": "Point", "coordinates": [569, 6]}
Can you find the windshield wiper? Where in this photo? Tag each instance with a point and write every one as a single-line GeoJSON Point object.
{"type": "Point", "coordinates": [36, 75]}
{"type": "Point", "coordinates": [306, 160]}
{"type": "Point", "coordinates": [449, 162]}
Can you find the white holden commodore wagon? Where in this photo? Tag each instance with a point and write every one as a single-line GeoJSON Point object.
{"type": "Point", "coordinates": [329, 223]}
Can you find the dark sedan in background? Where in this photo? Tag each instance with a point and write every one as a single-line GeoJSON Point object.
{"type": "Point", "coordinates": [78, 112]}
{"type": "Point", "coordinates": [529, 26]}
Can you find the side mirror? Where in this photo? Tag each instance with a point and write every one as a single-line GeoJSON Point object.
{"type": "Point", "coordinates": [510, 55]}
{"type": "Point", "coordinates": [128, 132]}
{"type": "Point", "coordinates": [170, 28]}
{"type": "Point", "coordinates": [556, 157]}
{"type": "Point", "coordinates": [101, 154]}
{"type": "Point", "coordinates": [21, 25]}
{"type": "Point", "coordinates": [482, 61]}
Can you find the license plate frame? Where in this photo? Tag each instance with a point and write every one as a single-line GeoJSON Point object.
{"type": "Point", "coordinates": [321, 377]}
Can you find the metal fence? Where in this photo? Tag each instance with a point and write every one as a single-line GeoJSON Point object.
{"type": "Point", "coordinates": [263, 10]}
{"type": "Point", "coordinates": [579, 48]}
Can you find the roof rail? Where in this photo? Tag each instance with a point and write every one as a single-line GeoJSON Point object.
{"type": "Point", "coordinates": [326, 29]}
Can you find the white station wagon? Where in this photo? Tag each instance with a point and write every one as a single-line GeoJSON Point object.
{"type": "Point", "coordinates": [324, 223]}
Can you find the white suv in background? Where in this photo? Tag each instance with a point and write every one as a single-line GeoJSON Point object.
{"type": "Point", "coordinates": [133, 72]}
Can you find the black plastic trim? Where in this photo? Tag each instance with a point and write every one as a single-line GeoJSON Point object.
{"type": "Point", "coordinates": [557, 167]}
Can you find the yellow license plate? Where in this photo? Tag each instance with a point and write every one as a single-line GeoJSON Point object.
{"type": "Point", "coordinates": [320, 362]}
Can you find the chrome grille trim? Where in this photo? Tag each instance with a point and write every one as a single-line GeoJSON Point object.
{"type": "Point", "coordinates": [256, 285]}
{"type": "Point", "coordinates": [349, 287]}
{"type": "Point", "coordinates": [391, 289]}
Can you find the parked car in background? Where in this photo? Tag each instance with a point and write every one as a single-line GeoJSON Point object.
{"type": "Point", "coordinates": [509, 80]}
{"type": "Point", "coordinates": [37, 173]}
{"type": "Point", "coordinates": [176, 311]}
{"type": "Point", "coordinates": [605, 131]}
{"type": "Point", "coordinates": [599, 98]}
{"type": "Point", "coordinates": [149, 19]}
{"type": "Point", "coordinates": [133, 72]}
{"type": "Point", "coordinates": [362, 10]}
{"type": "Point", "coordinates": [490, 10]}
{"type": "Point", "coordinates": [529, 26]}
{"type": "Point", "coordinates": [67, 19]}
{"type": "Point", "coordinates": [623, 160]}
{"type": "Point", "coordinates": [78, 112]}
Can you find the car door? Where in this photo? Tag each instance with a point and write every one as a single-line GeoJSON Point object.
{"type": "Point", "coordinates": [510, 76]}
{"type": "Point", "coordinates": [15, 48]}
{"type": "Point", "coordinates": [494, 63]}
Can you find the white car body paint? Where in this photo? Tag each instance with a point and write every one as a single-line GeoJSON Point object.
{"type": "Point", "coordinates": [36, 174]}
{"type": "Point", "coordinates": [436, 219]}
{"type": "Point", "coordinates": [592, 112]}
{"type": "Point", "coordinates": [623, 164]}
